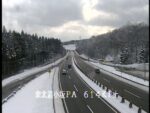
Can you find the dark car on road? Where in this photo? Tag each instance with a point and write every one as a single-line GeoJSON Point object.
{"type": "Point", "coordinates": [64, 72]}
{"type": "Point", "coordinates": [69, 66]}
{"type": "Point", "coordinates": [97, 71]}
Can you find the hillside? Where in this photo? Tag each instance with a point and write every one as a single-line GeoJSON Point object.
{"type": "Point", "coordinates": [128, 44]}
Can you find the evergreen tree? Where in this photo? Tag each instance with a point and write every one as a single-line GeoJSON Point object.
{"type": "Point", "coordinates": [142, 56]}
{"type": "Point", "coordinates": [22, 50]}
{"type": "Point", "coordinates": [124, 56]}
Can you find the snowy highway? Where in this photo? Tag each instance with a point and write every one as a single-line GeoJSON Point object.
{"type": "Point", "coordinates": [136, 93]}
{"type": "Point", "coordinates": [79, 90]}
{"type": "Point", "coordinates": [79, 103]}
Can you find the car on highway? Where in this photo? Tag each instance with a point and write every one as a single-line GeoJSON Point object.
{"type": "Point", "coordinates": [97, 71]}
{"type": "Point", "coordinates": [64, 72]}
{"type": "Point", "coordinates": [69, 66]}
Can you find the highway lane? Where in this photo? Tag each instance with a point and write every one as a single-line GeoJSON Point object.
{"type": "Point", "coordinates": [131, 93]}
{"type": "Point", "coordinates": [80, 104]}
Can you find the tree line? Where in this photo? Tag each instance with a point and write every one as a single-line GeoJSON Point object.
{"type": "Point", "coordinates": [126, 45]}
{"type": "Point", "coordinates": [23, 50]}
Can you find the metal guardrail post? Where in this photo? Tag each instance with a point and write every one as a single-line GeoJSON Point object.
{"type": "Point", "coordinates": [123, 100]}
{"type": "Point", "coordinates": [130, 105]}
{"type": "Point", "coordinates": [140, 109]}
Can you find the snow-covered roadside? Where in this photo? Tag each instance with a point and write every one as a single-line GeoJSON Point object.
{"type": "Point", "coordinates": [136, 66]}
{"type": "Point", "coordinates": [116, 102]}
{"type": "Point", "coordinates": [86, 57]}
{"type": "Point", "coordinates": [25, 100]}
{"type": "Point", "coordinates": [118, 73]}
{"type": "Point", "coordinates": [31, 99]}
{"type": "Point", "coordinates": [141, 66]}
{"type": "Point", "coordinates": [30, 72]}
{"type": "Point", "coordinates": [57, 101]}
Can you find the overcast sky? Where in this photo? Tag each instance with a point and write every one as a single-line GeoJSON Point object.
{"type": "Point", "coordinates": [71, 19]}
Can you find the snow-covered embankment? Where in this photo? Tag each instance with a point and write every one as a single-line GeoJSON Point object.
{"type": "Point", "coordinates": [36, 96]}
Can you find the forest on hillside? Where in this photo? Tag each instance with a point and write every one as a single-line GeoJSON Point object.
{"type": "Point", "coordinates": [21, 51]}
{"type": "Point", "coordinates": [128, 44]}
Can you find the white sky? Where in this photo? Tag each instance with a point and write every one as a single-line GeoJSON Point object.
{"type": "Point", "coordinates": [71, 19]}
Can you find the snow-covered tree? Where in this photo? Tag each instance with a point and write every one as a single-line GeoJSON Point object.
{"type": "Point", "coordinates": [124, 56]}
{"type": "Point", "coordinates": [22, 50]}
{"type": "Point", "coordinates": [142, 56]}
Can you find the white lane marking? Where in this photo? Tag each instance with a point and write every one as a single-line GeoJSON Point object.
{"type": "Point", "coordinates": [132, 93]}
{"type": "Point", "coordinates": [90, 108]}
{"type": "Point", "coordinates": [75, 88]}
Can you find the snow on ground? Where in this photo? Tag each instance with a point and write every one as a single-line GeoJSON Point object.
{"type": "Point", "coordinates": [121, 74]}
{"type": "Point", "coordinates": [70, 47]}
{"type": "Point", "coordinates": [109, 58]}
{"type": "Point", "coordinates": [136, 66]}
{"type": "Point", "coordinates": [141, 66]}
{"type": "Point", "coordinates": [110, 70]}
{"type": "Point", "coordinates": [27, 101]}
{"type": "Point", "coordinates": [84, 56]}
{"type": "Point", "coordinates": [115, 102]}
{"type": "Point", "coordinates": [58, 102]}
{"type": "Point", "coordinates": [29, 72]}
{"type": "Point", "coordinates": [128, 81]}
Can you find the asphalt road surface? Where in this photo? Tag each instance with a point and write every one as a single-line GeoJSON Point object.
{"type": "Point", "coordinates": [81, 104]}
{"type": "Point", "coordinates": [131, 93]}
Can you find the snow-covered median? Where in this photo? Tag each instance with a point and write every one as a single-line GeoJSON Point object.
{"type": "Point", "coordinates": [27, 99]}
{"type": "Point", "coordinates": [115, 102]}
{"type": "Point", "coordinates": [29, 72]}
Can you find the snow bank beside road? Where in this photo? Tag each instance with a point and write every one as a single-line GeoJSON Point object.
{"type": "Point", "coordinates": [26, 100]}
{"type": "Point", "coordinates": [57, 101]}
{"type": "Point", "coordinates": [121, 74]}
{"type": "Point", "coordinates": [141, 67]}
{"type": "Point", "coordinates": [86, 57]}
{"type": "Point", "coordinates": [29, 72]}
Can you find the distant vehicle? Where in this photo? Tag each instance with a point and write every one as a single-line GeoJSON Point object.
{"type": "Point", "coordinates": [64, 72]}
{"type": "Point", "coordinates": [67, 58]}
{"type": "Point", "coordinates": [97, 71]}
{"type": "Point", "coordinates": [69, 66]}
